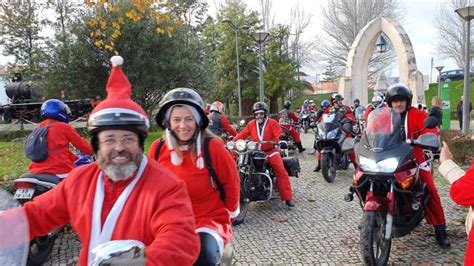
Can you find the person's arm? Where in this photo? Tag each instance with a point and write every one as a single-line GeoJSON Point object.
{"type": "Point", "coordinates": [294, 117]}
{"type": "Point", "coordinates": [78, 142]}
{"type": "Point", "coordinates": [277, 132]}
{"type": "Point", "coordinates": [226, 170]}
{"type": "Point", "coordinates": [176, 242]}
{"type": "Point", "coordinates": [245, 133]}
{"type": "Point", "coordinates": [49, 210]}
{"type": "Point", "coordinates": [227, 126]}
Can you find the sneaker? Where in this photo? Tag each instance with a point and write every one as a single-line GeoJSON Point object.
{"type": "Point", "coordinates": [290, 203]}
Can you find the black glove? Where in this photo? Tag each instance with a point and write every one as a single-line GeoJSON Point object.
{"type": "Point", "coordinates": [283, 145]}
{"type": "Point", "coordinates": [283, 137]}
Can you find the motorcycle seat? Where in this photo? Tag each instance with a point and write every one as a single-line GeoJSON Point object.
{"type": "Point", "coordinates": [43, 177]}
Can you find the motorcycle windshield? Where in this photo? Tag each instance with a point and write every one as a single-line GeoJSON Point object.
{"type": "Point", "coordinates": [384, 130]}
{"type": "Point", "coordinates": [329, 122]}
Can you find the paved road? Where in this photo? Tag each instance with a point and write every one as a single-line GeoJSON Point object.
{"type": "Point", "coordinates": [322, 229]}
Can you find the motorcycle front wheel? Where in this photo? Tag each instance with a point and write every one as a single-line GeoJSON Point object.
{"type": "Point", "coordinates": [306, 126]}
{"type": "Point", "coordinates": [328, 167]}
{"type": "Point", "coordinates": [40, 249]}
{"type": "Point", "coordinates": [244, 199]}
{"type": "Point", "coordinates": [375, 248]}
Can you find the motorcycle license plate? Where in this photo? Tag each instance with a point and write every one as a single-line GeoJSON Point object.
{"type": "Point", "coordinates": [24, 193]}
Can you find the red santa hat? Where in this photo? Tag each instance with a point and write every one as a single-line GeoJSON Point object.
{"type": "Point", "coordinates": [118, 101]}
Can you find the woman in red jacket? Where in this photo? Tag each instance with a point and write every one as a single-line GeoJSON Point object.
{"type": "Point", "coordinates": [461, 192]}
{"type": "Point", "coordinates": [60, 159]}
{"type": "Point", "coordinates": [182, 117]}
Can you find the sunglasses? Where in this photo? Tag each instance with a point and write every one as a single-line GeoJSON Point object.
{"type": "Point", "coordinates": [260, 113]}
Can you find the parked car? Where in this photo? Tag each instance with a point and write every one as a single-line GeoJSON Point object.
{"type": "Point", "coordinates": [457, 74]}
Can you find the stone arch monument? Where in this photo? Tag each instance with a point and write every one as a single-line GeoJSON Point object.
{"type": "Point", "coordinates": [354, 83]}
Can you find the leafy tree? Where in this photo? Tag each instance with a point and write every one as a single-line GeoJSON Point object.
{"type": "Point", "coordinates": [21, 25]}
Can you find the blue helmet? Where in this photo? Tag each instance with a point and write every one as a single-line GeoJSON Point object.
{"type": "Point", "coordinates": [55, 109]}
{"type": "Point", "coordinates": [325, 103]}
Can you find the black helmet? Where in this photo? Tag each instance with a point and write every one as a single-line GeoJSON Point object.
{"type": "Point", "coordinates": [337, 97]}
{"type": "Point", "coordinates": [287, 105]}
{"type": "Point", "coordinates": [260, 106]}
{"type": "Point", "coordinates": [356, 100]}
{"type": "Point", "coordinates": [181, 96]}
{"type": "Point", "coordinates": [398, 91]}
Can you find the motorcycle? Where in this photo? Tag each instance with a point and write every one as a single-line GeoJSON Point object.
{"type": "Point", "coordinates": [387, 182]}
{"type": "Point", "coordinates": [290, 140]}
{"type": "Point", "coordinates": [305, 120]}
{"type": "Point", "coordinates": [257, 180]}
{"type": "Point", "coordinates": [329, 140]}
{"type": "Point", "coordinates": [28, 186]}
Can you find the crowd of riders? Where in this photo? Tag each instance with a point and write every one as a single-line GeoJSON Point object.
{"type": "Point", "coordinates": [188, 185]}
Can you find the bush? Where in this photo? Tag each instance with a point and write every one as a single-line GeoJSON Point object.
{"type": "Point", "coordinates": [462, 147]}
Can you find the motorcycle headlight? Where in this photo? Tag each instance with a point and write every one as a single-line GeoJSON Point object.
{"type": "Point", "coordinates": [385, 166]}
{"type": "Point", "coordinates": [252, 145]}
{"type": "Point", "coordinates": [230, 145]}
{"type": "Point", "coordinates": [240, 145]}
{"type": "Point", "coordinates": [332, 134]}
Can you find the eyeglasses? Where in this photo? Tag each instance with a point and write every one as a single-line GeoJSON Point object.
{"type": "Point", "coordinates": [126, 141]}
{"type": "Point", "coordinates": [261, 113]}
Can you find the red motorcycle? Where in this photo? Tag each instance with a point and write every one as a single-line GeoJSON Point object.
{"type": "Point", "coordinates": [387, 182]}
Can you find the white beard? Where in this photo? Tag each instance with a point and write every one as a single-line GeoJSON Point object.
{"type": "Point", "coordinates": [119, 172]}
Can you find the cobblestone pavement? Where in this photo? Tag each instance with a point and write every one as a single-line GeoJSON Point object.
{"type": "Point", "coordinates": [322, 229]}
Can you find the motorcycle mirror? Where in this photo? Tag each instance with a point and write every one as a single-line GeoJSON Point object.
{"type": "Point", "coordinates": [347, 128]}
{"type": "Point", "coordinates": [428, 141]}
{"type": "Point", "coordinates": [119, 252]}
{"type": "Point", "coordinates": [348, 145]}
{"type": "Point", "coordinates": [431, 122]}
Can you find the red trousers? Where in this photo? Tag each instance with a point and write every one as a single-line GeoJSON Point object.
{"type": "Point", "coordinates": [293, 133]}
{"type": "Point", "coordinates": [283, 180]}
{"type": "Point", "coordinates": [469, 257]}
{"type": "Point", "coordinates": [434, 213]}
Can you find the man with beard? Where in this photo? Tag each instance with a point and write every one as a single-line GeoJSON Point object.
{"type": "Point", "coordinates": [263, 128]}
{"type": "Point", "coordinates": [123, 195]}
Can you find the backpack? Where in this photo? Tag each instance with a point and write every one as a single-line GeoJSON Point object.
{"type": "Point", "coordinates": [215, 183]}
{"type": "Point", "coordinates": [36, 146]}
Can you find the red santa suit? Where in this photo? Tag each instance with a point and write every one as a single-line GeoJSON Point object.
{"type": "Point", "coordinates": [271, 131]}
{"type": "Point", "coordinates": [212, 214]}
{"type": "Point", "coordinates": [164, 222]}
{"type": "Point", "coordinates": [60, 159]}
{"type": "Point", "coordinates": [286, 123]}
{"type": "Point", "coordinates": [414, 123]}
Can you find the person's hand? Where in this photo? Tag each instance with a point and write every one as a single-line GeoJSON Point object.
{"type": "Point", "coordinates": [445, 153]}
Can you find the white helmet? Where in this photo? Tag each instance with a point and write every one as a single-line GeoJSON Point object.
{"type": "Point", "coordinates": [377, 101]}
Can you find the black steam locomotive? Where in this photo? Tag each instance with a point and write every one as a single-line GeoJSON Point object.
{"type": "Point", "coordinates": [25, 103]}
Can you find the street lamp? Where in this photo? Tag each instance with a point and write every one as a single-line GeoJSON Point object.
{"type": "Point", "coordinates": [381, 44]}
{"type": "Point", "coordinates": [237, 29]}
{"type": "Point", "coordinates": [439, 68]}
{"type": "Point", "coordinates": [260, 38]}
{"type": "Point", "coordinates": [466, 13]}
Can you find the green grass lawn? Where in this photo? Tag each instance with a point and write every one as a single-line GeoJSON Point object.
{"type": "Point", "coordinates": [456, 92]}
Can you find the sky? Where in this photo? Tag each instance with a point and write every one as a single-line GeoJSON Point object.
{"type": "Point", "coordinates": [418, 23]}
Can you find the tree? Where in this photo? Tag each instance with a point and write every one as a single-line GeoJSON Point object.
{"type": "Point", "coordinates": [21, 25]}
{"type": "Point", "coordinates": [452, 28]}
{"type": "Point", "coordinates": [222, 37]}
{"type": "Point", "coordinates": [343, 20]}
{"type": "Point", "coordinates": [330, 74]}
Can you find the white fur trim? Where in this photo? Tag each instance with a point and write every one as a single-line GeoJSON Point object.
{"type": "Point", "coordinates": [61, 176]}
{"type": "Point", "coordinates": [200, 159]}
{"type": "Point", "coordinates": [217, 237]}
{"type": "Point", "coordinates": [119, 110]}
{"type": "Point", "coordinates": [273, 154]}
{"type": "Point", "coordinates": [175, 159]}
{"type": "Point", "coordinates": [234, 213]}
{"type": "Point", "coordinates": [116, 60]}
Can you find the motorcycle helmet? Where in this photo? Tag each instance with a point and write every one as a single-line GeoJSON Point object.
{"type": "Point", "coordinates": [398, 92]}
{"type": "Point", "coordinates": [181, 96]}
{"type": "Point", "coordinates": [217, 107]}
{"type": "Point", "coordinates": [287, 105]}
{"type": "Point", "coordinates": [55, 109]}
{"type": "Point", "coordinates": [325, 103]}
{"type": "Point", "coordinates": [376, 101]}
{"type": "Point", "coordinates": [260, 106]}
